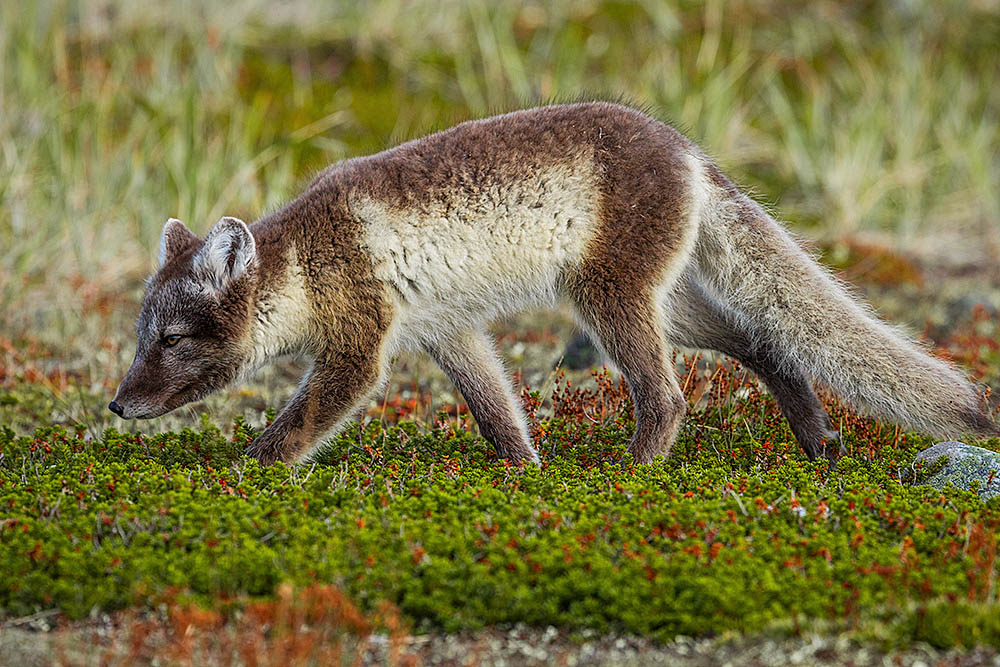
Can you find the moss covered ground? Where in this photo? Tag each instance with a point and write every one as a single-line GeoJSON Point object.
{"type": "Point", "coordinates": [735, 531]}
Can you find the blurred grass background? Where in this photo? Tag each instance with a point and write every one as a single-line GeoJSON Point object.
{"type": "Point", "coordinates": [853, 119]}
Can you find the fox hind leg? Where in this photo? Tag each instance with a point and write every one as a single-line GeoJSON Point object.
{"type": "Point", "coordinates": [470, 361]}
{"type": "Point", "coordinates": [697, 320]}
{"type": "Point", "coordinates": [629, 331]}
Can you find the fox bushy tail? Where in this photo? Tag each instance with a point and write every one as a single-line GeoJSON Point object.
{"type": "Point", "coordinates": [753, 266]}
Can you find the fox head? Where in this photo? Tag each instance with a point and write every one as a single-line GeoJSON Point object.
{"type": "Point", "coordinates": [192, 330]}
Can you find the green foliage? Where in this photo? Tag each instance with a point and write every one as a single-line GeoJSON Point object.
{"type": "Point", "coordinates": [116, 116]}
{"type": "Point", "coordinates": [735, 531]}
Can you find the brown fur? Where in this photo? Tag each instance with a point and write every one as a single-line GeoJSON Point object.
{"type": "Point", "coordinates": [350, 314]}
{"type": "Point", "coordinates": [650, 242]}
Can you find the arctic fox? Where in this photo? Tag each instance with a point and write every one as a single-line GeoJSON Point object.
{"type": "Point", "coordinates": [422, 245]}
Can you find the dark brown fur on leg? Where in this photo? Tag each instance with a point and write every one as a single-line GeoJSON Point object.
{"type": "Point", "coordinates": [331, 391]}
{"type": "Point", "coordinates": [798, 402]}
{"type": "Point", "coordinates": [630, 333]}
{"type": "Point", "coordinates": [471, 363]}
{"type": "Point", "coordinates": [697, 321]}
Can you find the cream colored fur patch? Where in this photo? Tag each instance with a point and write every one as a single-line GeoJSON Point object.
{"type": "Point", "coordinates": [482, 254]}
{"type": "Point", "coordinates": [282, 322]}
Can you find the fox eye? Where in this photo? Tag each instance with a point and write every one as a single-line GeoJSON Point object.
{"type": "Point", "coordinates": [170, 341]}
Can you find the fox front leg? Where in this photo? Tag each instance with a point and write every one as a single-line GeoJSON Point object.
{"type": "Point", "coordinates": [327, 396]}
{"type": "Point", "coordinates": [470, 360]}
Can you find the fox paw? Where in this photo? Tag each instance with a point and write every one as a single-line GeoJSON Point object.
{"type": "Point", "coordinates": [263, 450]}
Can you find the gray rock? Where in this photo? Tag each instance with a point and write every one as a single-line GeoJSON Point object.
{"type": "Point", "coordinates": [580, 354]}
{"type": "Point", "coordinates": [964, 465]}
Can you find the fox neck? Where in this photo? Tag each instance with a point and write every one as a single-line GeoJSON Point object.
{"type": "Point", "coordinates": [280, 314]}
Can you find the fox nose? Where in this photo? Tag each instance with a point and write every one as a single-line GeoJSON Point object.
{"type": "Point", "coordinates": [117, 409]}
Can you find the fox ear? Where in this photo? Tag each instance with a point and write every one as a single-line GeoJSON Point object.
{"type": "Point", "coordinates": [176, 239]}
{"type": "Point", "coordinates": [228, 253]}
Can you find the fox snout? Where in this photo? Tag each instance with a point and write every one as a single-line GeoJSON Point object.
{"type": "Point", "coordinates": [139, 396]}
{"type": "Point", "coordinates": [126, 406]}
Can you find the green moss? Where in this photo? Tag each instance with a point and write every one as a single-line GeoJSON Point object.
{"type": "Point", "coordinates": [946, 623]}
{"type": "Point", "coordinates": [731, 533]}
